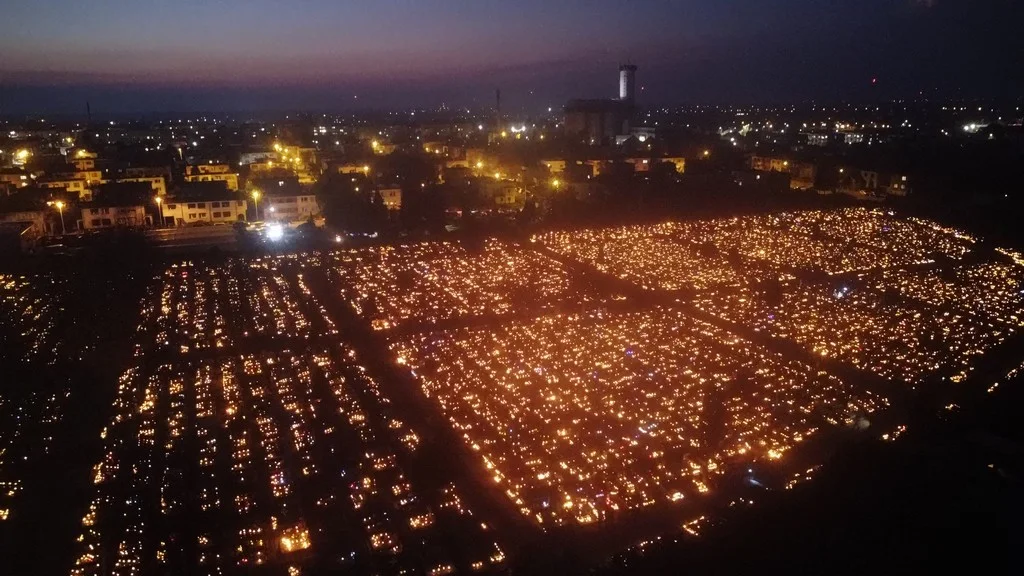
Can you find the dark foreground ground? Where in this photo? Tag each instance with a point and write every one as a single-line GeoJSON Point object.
{"type": "Point", "coordinates": [946, 497]}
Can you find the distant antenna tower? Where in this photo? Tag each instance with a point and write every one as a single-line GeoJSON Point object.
{"type": "Point", "coordinates": [497, 107]}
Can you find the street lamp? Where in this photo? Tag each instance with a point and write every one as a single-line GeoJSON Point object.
{"type": "Point", "coordinates": [59, 204]}
{"type": "Point", "coordinates": [556, 183]}
{"type": "Point", "coordinates": [160, 209]}
{"type": "Point", "coordinates": [256, 199]}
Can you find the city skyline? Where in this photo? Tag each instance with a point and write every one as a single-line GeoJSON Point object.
{"type": "Point", "coordinates": [191, 56]}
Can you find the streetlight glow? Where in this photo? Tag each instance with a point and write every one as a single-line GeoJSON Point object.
{"type": "Point", "coordinates": [59, 205]}
{"type": "Point", "coordinates": [256, 199]}
{"type": "Point", "coordinates": [159, 208]}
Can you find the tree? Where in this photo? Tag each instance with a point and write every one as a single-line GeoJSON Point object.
{"type": "Point", "coordinates": [423, 208]}
{"type": "Point", "coordinates": [407, 170]}
{"type": "Point", "coordinates": [349, 204]}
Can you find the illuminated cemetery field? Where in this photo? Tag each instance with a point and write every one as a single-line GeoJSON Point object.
{"type": "Point", "coordinates": [34, 394]}
{"type": "Point", "coordinates": [262, 454]}
{"type": "Point", "coordinates": [267, 459]}
{"type": "Point", "coordinates": [436, 281]}
{"type": "Point", "coordinates": [588, 375]}
{"type": "Point", "coordinates": [578, 417]}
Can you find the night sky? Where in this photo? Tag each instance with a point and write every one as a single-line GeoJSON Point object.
{"type": "Point", "coordinates": [130, 56]}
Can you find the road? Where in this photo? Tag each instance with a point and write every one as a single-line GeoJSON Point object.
{"type": "Point", "coordinates": [171, 239]}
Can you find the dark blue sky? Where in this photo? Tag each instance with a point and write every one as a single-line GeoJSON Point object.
{"type": "Point", "coordinates": [186, 55]}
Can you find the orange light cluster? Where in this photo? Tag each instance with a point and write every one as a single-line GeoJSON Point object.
{"type": "Point", "coordinates": [577, 417]}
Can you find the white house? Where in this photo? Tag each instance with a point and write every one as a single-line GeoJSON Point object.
{"type": "Point", "coordinates": [106, 216]}
{"type": "Point", "coordinates": [214, 205]}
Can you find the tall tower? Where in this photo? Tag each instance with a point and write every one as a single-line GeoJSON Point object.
{"type": "Point", "coordinates": [627, 83]}
{"type": "Point", "coordinates": [497, 109]}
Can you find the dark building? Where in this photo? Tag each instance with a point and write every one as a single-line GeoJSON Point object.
{"type": "Point", "coordinates": [599, 121]}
